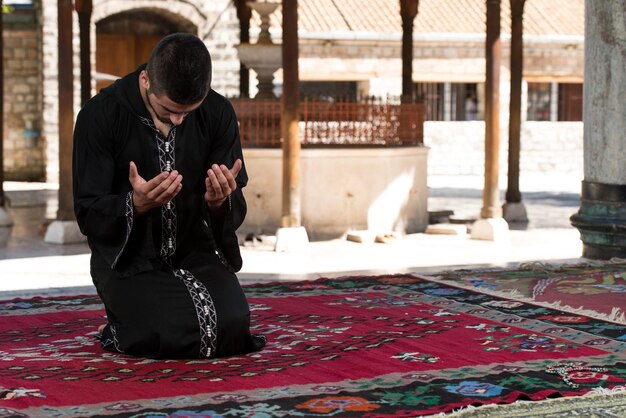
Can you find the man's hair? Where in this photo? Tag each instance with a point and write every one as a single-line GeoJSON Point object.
{"type": "Point", "coordinates": [180, 68]}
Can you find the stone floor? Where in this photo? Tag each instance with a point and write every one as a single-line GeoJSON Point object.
{"type": "Point", "coordinates": [29, 266]}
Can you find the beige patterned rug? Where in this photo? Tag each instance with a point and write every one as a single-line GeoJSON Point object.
{"type": "Point", "coordinates": [599, 405]}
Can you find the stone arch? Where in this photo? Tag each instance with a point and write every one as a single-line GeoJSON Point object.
{"type": "Point", "coordinates": [147, 21]}
{"type": "Point", "coordinates": [125, 39]}
{"type": "Point", "coordinates": [175, 11]}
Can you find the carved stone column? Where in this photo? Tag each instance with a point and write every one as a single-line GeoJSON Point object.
{"type": "Point", "coordinates": [601, 218]}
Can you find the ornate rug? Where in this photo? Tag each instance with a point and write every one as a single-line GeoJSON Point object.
{"type": "Point", "coordinates": [595, 290]}
{"type": "Point", "coordinates": [383, 346]}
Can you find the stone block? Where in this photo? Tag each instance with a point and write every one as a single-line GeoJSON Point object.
{"type": "Point", "coordinates": [446, 229]}
{"type": "Point", "coordinates": [291, 239]}
{"type": "Point", "coordinates": [363, 236]}
{"type": "Point", "coordinates": [64, 232]}
{"type": "Point", "coordinates": [491, 229]}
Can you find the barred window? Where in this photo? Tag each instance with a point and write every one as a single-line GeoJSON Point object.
{"type": "Point", "coordinates": [539, 101]}
{"type": "Point", "coordinates": [329, 89]}
{"type": "Point", "coordinates": [570, 102]}
{"type": "Point", "coordinates": [555, 102]}
{"type": "Point", "coordinates": [449, 101]}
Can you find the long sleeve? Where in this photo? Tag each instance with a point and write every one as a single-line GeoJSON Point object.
{"type": "Point", "coordinates": [226, 149]}
{"type": "Point", "coordinates": [104, 215]}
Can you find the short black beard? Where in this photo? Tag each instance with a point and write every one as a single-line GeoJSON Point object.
{"type": "Point", "coordinates": [167, 121]}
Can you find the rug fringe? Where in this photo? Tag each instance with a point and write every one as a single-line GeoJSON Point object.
{"type": "Point", "coordinates": [542, 266]}
{"type": "Point", "coordinates": [606, 391]}
{"type": "Point", "coordinates": [502, 408]}
{"type": "Point", "coordinates": [460, 410]}
{"type": "Point", "coordinates": [549, 267]}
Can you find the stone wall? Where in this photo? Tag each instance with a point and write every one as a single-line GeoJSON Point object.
{"type": "Point", "coordinates": [50, 74]}
{"type": "Point", "coordinates": [551, 152]}
{"type": "Point", "coordinates": [23, 145]}
{"type": "Point", "coordinates": [339, 192]}
{"type": "Point", "coordinates": [436, 61]}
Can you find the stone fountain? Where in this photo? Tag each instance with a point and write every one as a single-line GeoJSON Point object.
{"type": "Point", "coordinates": [264, 57]}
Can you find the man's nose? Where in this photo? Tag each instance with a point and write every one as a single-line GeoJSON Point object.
{"type": "Point", "coordinates": [177, 118]}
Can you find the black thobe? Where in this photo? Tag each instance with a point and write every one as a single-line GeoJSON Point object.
{"type": "Point", "coordinates": [166, 278]}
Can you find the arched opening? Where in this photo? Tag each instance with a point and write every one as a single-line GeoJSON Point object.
{"type": "Point", "coordinates": [124, 40]}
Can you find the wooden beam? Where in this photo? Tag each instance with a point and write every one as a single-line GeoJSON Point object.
{"type": "Point", "coordinates": [408, 11]}
{"type": "Point", "coordinates": [66, 110]}
{"type": "Point", "coordinates": [2, 198]}
{"type": "Point", "coordinates": [244, 14]}
{"type": "Point", "coordinates": [291, 209]}
{"type": "Point", "coordinates": [84, 9]}
{"type": "Point", "coordinates": [491, 207]}
{"type": "Point", "coordinates": [513, 194]}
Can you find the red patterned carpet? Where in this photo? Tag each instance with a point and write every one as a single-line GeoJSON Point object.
{"type": "Point", "coordinates": [385, 346]}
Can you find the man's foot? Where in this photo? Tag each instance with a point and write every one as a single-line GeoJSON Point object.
{"type": "Point", "coordinates": [101, 328]}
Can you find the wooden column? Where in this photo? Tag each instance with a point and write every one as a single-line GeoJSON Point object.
{"type": "Point", "coordinates": [513, 194]}
{"type": "Point", "coordinates": [84, 9]}
{"type": "Point", "coordinates": [408, 11]}
{"type": "Point", "coordinates": [2, 198]}
{"type": "Point", "coordinates": [291, 210]}
{"type": "Point", "coordinates": [64, 230]}
{"type": "Point", "coordinates": [66, 110]}
{"type": "Point", "coordinates": [244, 13]}
{"type": "Point", "coordinates": [6, 221]}
{"type": "Point", "coordinates": [491, 207]}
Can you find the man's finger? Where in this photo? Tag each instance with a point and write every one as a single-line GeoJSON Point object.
{"type": "Point", "coordinates": [222, 173]}
{"type": "Point", "coordinates": [213, 181]}
{"type": "Point", "coordinates": [172, 190]}
{"type": "Point", "coordinates": [236, 167]}
{"type": "Point", "coordinates": [133, 175]}
{"type": "Point", "coordinates": [229, 178]}
{"type": "Point", "coordinates": [154, 182]}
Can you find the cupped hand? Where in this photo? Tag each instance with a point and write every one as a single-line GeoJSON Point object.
{"type": "Point", "coordinates": [220, 183]}
{"type": "Point", "coordinates": [155, 192]}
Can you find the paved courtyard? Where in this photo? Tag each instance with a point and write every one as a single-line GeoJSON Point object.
{"type": "Point", "coordinates": [29, 266]}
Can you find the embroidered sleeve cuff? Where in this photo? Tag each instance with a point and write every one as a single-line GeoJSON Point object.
{"type": "Point", "coordinates": [129, 225]}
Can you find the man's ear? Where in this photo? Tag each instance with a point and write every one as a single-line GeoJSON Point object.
{"type": "Point", "coordinates": [144, 80]}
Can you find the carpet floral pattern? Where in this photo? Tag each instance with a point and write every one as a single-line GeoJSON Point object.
{"type": "Point", "coordinates": [378, 346]}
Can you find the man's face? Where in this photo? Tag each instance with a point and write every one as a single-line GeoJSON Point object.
{"type": "Point", "coordinates": [166, 110]}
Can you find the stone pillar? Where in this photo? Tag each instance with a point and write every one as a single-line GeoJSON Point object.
{"type": "Point", "coordinates": [601, 218]}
